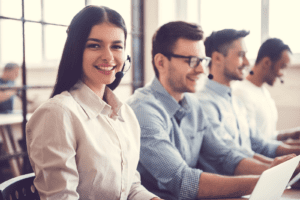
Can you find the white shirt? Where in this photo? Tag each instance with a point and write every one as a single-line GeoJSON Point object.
{"type": "Point", "coordinates": [80, 147]}
{"type": "Point", "coordinates": [260, 105]}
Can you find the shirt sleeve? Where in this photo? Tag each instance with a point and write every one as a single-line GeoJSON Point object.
{"type": "Point", "coordinates": [160, 157]}
{"type": "Point", "coordinates": [218, 127]}
{"type": "Point", "coordinates": [265, 147]}
{"type": "Point", "coordinates": [137, 191]}
{"type": "Point", "coordinates": [51, 148]}
{"type": "Point", "coordinates": [217, 155]}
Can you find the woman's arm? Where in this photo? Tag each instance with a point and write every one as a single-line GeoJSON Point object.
{"type": "Point", "coordinates": [138, 192]}
{"type": "Point", "coordinates": [52, 149]}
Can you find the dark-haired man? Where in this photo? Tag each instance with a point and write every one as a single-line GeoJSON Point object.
{"type": "Point", "coordinates": [224, 111]}
{"type": "Point", "coordinates": [9, 75]}
{"type": "Point", "coordinates": [175, 134]}
{"type": "Point", "coordinates": [273, 57]}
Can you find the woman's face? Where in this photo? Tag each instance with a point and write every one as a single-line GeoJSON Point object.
{"type": "Point", "coordinates": [103, 55]}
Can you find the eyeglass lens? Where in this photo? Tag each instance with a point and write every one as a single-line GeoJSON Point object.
{"type": "Point", "coordinates": [194, 62]}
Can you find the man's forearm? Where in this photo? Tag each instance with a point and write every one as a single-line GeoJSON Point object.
{"type": "Point", "coordinates": [285, 149]}
{"type": "Point", "coordinates": [263, 158]}
{"type": "Point", "coordinates": [250, 166]}
{"type": "Point", "coordinates": [217, 186]}
{"type": "Point", "coordinates": [7, 94]}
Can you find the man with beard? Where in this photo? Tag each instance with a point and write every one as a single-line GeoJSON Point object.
{"type": "Point", "coordinates": [226, 113]}
{"type": "Point", "coordinates": [272, 59]}
{"type": "Point", "coordinates": [175, 134]}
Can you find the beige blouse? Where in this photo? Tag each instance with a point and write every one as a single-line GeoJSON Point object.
{"type": "Point", "coordinates": [81, 147]}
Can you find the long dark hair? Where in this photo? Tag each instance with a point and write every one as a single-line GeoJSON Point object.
{"type": "Point", "coordinates": [70, 67]}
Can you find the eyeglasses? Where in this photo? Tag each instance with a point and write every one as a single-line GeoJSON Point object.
{"type": "Point", "coordinates": [194, 61]}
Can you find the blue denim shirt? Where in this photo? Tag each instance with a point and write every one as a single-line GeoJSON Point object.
{"type": "Point", "coordinates": [229, 118]}
{"type": "Point", "coordinates": [170, 151]}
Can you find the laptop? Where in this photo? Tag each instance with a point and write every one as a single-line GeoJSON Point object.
{"type": "Point", "coordinates": [274, 181]}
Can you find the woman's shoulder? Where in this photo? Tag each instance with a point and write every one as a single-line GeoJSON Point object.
{"type": "Point", "coordinates": [59, 103]}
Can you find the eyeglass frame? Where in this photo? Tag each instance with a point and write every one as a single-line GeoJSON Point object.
{"type": "Point", "coordinates": [190, 58]}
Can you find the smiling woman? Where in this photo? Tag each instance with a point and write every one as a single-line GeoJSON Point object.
{"type": "Point", "coordinates": [84, 143]}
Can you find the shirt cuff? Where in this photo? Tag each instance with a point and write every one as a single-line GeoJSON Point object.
{"type": "Point", "coordinates": [190, 184]}
{"type": "Point", "coordinates": [232, 162]}
{"type": "Point", "coordinates": [272, 147]}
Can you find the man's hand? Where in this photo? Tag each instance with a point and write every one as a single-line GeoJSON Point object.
{"type": "Point", "coordinates": [295, 135]}
{"type": "Point", "coordinates": [282, 159]}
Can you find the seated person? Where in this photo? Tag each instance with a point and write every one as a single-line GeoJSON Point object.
{"type": "Point", "coordinates": [226, 113]}
{"type": "Point", "coordinates": [273, 57]}
{"type": "Point", "coordinates": [84, 143]}
{"type": "Point", "coordinates": [9, 75]}
{"type": "Point", "coordinates": [175, 133]}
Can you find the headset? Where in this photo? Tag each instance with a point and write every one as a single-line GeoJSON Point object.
{"type": "Point", "coordinates": [119, 75]}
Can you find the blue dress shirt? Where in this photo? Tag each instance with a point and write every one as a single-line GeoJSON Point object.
{"type": "Point", "coordinates": [229, 118]}
{"type": "Point", "coordinates": [7, 106]}
{"type": "Point", "coordinates": [171, 150]}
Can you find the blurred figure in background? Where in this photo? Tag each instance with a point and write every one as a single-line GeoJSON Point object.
{"type": "Point", "coordinates": [10, 74]}
{"type": "Point", "coordinates": [273, 57]}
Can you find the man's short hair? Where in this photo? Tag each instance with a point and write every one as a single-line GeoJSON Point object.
{"type": "Point", "coordinates": [164, 39]}
{"type": "Point", "coordinates": [220, 41]}
{"type": "Point", "coordinates": [11, 66]}
{"type": "Point", "coordinates": [273, 49]}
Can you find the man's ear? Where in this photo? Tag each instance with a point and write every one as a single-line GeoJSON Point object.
{"type": "Point", "coordinates": [217, 58]}
{"type": "Point", "coordinates": [266, 63]}
{"type": "Point", "coordinates": [160, 62]}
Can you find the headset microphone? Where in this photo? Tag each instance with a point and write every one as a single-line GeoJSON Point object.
{"type": "Point", "coordinates": [119, 75]}
{"type": "Point", "coordinates": [281, 80]}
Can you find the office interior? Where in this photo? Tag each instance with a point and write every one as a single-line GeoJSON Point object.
{"type": "Point", "coordinates": [33, 32]}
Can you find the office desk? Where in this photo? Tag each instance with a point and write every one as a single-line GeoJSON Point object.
{"type": "Point", "coordinates": [288, 194]}
{"type": "Point", "coordinates": [11, 144]}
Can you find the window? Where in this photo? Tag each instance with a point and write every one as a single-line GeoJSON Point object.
{"type": "Point", "coordinates": [234, 14]}
{"type": "Point", "coordinates": [283, 24]}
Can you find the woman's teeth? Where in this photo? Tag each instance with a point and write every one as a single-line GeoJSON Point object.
{"type": "Point", "coordinates": [104, 68]}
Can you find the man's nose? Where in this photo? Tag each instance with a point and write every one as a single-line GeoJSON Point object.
{"type": "Point", "coordinates": [246, 61]}
{"type": "Point", "coordinates": [199, 68]}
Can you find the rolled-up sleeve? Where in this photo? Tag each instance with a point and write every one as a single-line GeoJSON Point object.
{"type": "Point", "coordinates": [265, 147]}
{"type": "Point", "coordinates": [160, 157]}
{"type": "Point", "coordinates": [218, 127]}
{"type": "Point", "coordinates": [52, 149]}
{"type": "Point", "coordinates": [216, 156]}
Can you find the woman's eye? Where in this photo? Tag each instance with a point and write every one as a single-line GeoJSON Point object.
{"type": "Point", "coordinates": [92, 46]}
{"type": "Point", "coordinates": [117, 47]}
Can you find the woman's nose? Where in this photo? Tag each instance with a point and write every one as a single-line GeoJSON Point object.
{"type": "Point", "coordinates": [107, 55]}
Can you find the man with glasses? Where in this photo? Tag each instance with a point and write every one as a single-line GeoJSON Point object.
{"type": "Point", "coordinates": [175, 134]}
{"type": "Point", "coordinates": [224, 111]}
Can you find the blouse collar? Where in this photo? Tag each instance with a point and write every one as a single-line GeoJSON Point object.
{"type": "Point", "coordinates": [93, 105]}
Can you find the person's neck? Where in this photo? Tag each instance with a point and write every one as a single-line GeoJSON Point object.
{"type": "Point", "coordinates": [255, 78]}
{"type": "Point", "coordinates": [176, 95]}
{"type": "Point", "coordinates": [221, 79]}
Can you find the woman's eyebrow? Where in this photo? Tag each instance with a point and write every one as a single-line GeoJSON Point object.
{"type": "Point", "coordinates": [100, 41]}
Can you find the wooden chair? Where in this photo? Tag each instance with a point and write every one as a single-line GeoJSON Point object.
{"type": "Point", "coordinates": [20, 188]}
